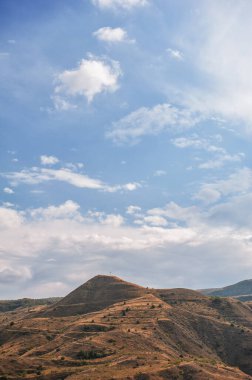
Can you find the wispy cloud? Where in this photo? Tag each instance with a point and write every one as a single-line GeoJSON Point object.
{"type": "Point", "coordinates": [220, 155]}
{"type": "Point", "coordinates": [238, 182]}
{"type": "Point", "coordinates": [221, 160]}
{"type": "Point", "coordinates": [222, 58]}
{"type": "Point", "coordinates": [38, 175]}
{"type": "Point", "coordinates": [151, 121]}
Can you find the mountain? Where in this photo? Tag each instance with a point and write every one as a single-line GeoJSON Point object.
{"type": "Point", "coordinates": [120, 330]}
{"type": "Point", "coordinates": [241, 290]}
{"type": "Point", "coordinates": [96, 294]}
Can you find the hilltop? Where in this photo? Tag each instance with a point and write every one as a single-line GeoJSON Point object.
{"type": "Point", "coordinates": [96, 294]}
{"type": "Point", "coordinates": [120, 330]}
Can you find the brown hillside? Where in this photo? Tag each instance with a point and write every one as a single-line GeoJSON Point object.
{"type": "Point", "coordinates": [96, 294]}
{"type": "Point", "coordinates": [174, 334]}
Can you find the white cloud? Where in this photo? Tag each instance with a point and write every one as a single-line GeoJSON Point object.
{"type": "Point", "coordinates": [120, 4]}
{"type": "Point", "coordinates": [175, 212]}
{"type": "Point", "coordinates": [221, 156]}
{"type": "Point", "coordinates": [221, 160]}
{"type": "Point", "coordinates": [109, 34]}
{"type": "Point", "coordinates": [113, 220]}
{"type": "Point", "coordinates": [69, 209]}
{"type": "Point", "coordinates": [48, 160]}
{"type": "Point", "coordinates": [10, 218]}
{"type": "Point", "coordinates": [155, 220]}
{"type": "Point", "coordinates": [198, 142]}
{"type": "Point", "coordinates": [131, 210]}
{"type": "Point", "coordinates": [91, 77]}
{"type": "Point", "coordinates": [208, 194]}
{"type": "Point", "coordinates": [131, 186]}
{"type": "Point", "coordinates": [79, 246]}
{"type": "Point", "coordinates": [175, 54]}
{"type": "Point", "coordinates": [12, 42]}
{"type": "Point", "coordinates": [8, 190]}
{"type": "Point", "coordinates": [151, 121]}
{"type": "Point", "coordinates": [238, 182]}
{"type": "Point", "coordinates": [37, 175]}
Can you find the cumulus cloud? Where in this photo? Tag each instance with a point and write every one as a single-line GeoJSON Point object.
{"type": "Point", "coordinates": [37, 175]}
{"type": "Point", "coordinates": [184, 244]}
{"type": "Point", "coordinates": [48, 160]}
{"type": "Point", "coordinates": [8, 190]}
{"type": "Point", "coordinates": [151, 121]}
{"type": "Point", "coordinates": [69, 209]}
{"type": "Point", "coordinates": [119, 4]}
{"type": "Point", "coordinates": [114, 35]}
{"type": "Point", "coordinates": [92, 76]}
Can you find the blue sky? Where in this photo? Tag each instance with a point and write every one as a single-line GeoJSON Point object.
{"type": "Point", "coordinates": [125, 143]}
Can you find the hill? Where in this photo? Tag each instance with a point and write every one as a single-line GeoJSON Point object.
{"type": "Point", "coordinates": [10, 305]}
{"type": "Point", "coordinates": [96, 294]}
{"type": "Point", "coordinates": [241, 290]}
{"type": "Point", "coordinates": [140, 334]}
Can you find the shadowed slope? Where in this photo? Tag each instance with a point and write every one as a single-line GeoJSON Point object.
{"type": "Point", "coordinates": [241, 290]}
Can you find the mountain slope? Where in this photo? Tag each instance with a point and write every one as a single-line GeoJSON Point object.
{"type": "Point", "coordinates": [241, 290]}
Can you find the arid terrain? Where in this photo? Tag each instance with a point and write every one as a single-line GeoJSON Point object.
{"type": "Point", "coordinates": [111, 329]}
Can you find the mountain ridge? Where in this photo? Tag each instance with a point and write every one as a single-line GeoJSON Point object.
{"type": "Point", "coordinates": [241, 290]}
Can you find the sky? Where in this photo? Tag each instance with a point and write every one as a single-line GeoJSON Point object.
{"type": "Point", "coordinates": [125, 136]}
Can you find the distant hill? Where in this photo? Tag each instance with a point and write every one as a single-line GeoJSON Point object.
{"type": "Point", "coordinates": [241, 290]}
{"type": "Point", "coordinates": [10, 305]}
